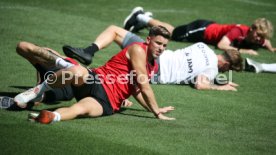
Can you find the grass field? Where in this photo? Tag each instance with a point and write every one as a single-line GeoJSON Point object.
{"type": "Point", "coordinates": [208, 122]}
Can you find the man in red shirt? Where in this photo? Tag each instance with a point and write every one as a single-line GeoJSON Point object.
{"type": "Point", "coordinates": [101, 91]}
{"type": "Point", "coordinates": [225, 36]}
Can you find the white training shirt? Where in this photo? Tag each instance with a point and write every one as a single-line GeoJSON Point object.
{"type": "Point", "coordinates": [183, 65]}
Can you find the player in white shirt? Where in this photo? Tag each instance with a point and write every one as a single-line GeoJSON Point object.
{"type": "Point", "coordinates": [183, 65]}
{"type": "Point", "coordinates": [196, 64]}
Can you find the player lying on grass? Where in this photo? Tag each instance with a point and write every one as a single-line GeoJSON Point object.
{"type": "Point", "coordinates": [243, 38]}
{"type": "Point", "coordinates": [101, 91]}
{"type": "Point", "coordinates": [196, 64]}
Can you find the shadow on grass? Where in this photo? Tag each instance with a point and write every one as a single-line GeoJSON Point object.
{"type": "Point", "coordinates": [8, 94]}
{"type": "Point", "coordinates": [30, 105]}
{"type": "Point", "coordinates": [21, 87]}
{"type": "Point", "coordinates": [121, 112]}
{"type": "Point", "coordinates": [13, 106]}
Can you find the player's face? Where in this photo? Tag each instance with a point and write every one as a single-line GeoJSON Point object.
{"type": "Point", "coordinates": [157, 44]}
{"type": "Point", "coordinates": [254, 37]}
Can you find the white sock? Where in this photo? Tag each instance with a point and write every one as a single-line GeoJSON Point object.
{"type": "Point", "coordinates": [61, 63]}
{"type": "Point", "coordinates": [43, 87]}
{"type": "Point", "coordinates": [143, 19]}
{"type": "Point", "coordinates": [269, 67]}
{"type": "Point", "coordinates": [57, 117]}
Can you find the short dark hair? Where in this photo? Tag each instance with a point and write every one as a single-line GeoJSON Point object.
{"type": "Point", "coordinates": [234, 58]}
{"type": "Point", "coordinates": [159, 30]}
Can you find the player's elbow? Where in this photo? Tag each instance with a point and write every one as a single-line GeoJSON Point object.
{"type": "Point", "coordinates": [221, 46]}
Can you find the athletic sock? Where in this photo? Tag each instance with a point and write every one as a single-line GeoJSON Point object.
{"type": "Point", "coordinates": [61, 63]}
{"type": "Point", "coordinates": [91, 49]}
{"type": "Point", "coordinates": [269, 67]}
{"type": "Point", "coordinates": [142, 18]}
{"type": "Point", "coordinates": [43, 87]}
{"type": "Point", "coordinates": [57, 117]}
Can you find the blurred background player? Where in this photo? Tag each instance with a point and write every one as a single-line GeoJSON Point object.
{"type": "Point", "coordinates": [243, 38]}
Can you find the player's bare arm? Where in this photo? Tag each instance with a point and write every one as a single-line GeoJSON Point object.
{"type": "Point", "coordinates": [203, 83]}
{"type": "Point", "coordinates": [268, 45]}
{"type": "Point", "coordinates": [225, 44]}
{"type": "Point", "coordinates": [137, 57]}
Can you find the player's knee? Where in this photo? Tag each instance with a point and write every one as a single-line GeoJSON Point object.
{"type": "Point", "coordinates": [112, 27]}
{"type": "Point", "coordinates": [22, 47]}
{"type": "Point", "coordinates": [80, 110]}
{"type": "Point", "coordinates": [78, 73]}
{"type": "Point", "coordinates": [77, 70]}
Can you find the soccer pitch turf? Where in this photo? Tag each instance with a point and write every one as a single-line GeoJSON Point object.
{"type": "Point", "coordinates": [207, 122]}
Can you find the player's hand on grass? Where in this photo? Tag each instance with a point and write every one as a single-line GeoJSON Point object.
{"type": "Point", "coordinates": [166, 109]}
{"type": "Point", "coordinates": [127, 103]}
{"type": "Point", "coordinates": [248, 51]}
{"type": "Point", "coordinates": [230, 86]}
{"type": "Point", "coordinates": [273, 50]}
{"type": "Point", "coordinates": [163, 117]}
{"type": "Point", "coordinates": [252, 52]}
{"type": "Point", "coordinates": [233, 84]}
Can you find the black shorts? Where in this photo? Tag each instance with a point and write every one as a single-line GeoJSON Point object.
{"type": "Point", "coordinates": [57, 94]}
{"type": "Point", "coordinates": [95, 90]}
{"type": "Point", "coordinates": [192, 32]}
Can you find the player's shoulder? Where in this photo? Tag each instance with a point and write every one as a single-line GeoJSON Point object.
{"type": "Point", "coordinates": [137, 48]}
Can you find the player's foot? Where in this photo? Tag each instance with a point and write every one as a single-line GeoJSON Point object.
{"type": "Point", "coordinates": [131, 18]}
{"type": "Point", "coordinates": [253, 66]}
{"type": "Point", "coordinates": [44, 117]}
{"type": "Point", "coordinates": [77, 53]}
{"type": "Point", "coordinates": [28, 96]}
{"type": "Point", "coordinates": [139, 26]}
{"type": "Point", "coordinates": [6, 102]}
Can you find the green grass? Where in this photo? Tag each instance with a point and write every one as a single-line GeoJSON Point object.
{"type": "Point", "coordinates": [208, 122]}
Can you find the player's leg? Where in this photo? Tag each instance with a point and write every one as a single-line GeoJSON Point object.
{"type": "Point", "coordinates": [29, 52]}
{"type": "Point", "coordinates": [110, 34]}
{"type": "Point", "coordinates": [92, 102]}
{"type": "Point", "coordinates": [84, 55]}
{"type": "Point", "coordinates": [43, 65]}
{"type": "Point", "coordinates": [269, 67]}
{"type": "Point", "coordinates": [137, 20]}
{"type": "Point", "coordinates": [75, 75]}
{"type": "Point", "coordinates": [45, 57]}
{"type": "Point", "coordinates": [257, 67]}
{"type": "Point", "coordinates": [192, 32]}
{"type": "Point", "coordinates": [87, 107]}
{"type": "Point", "coordinates": [155, 22]}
